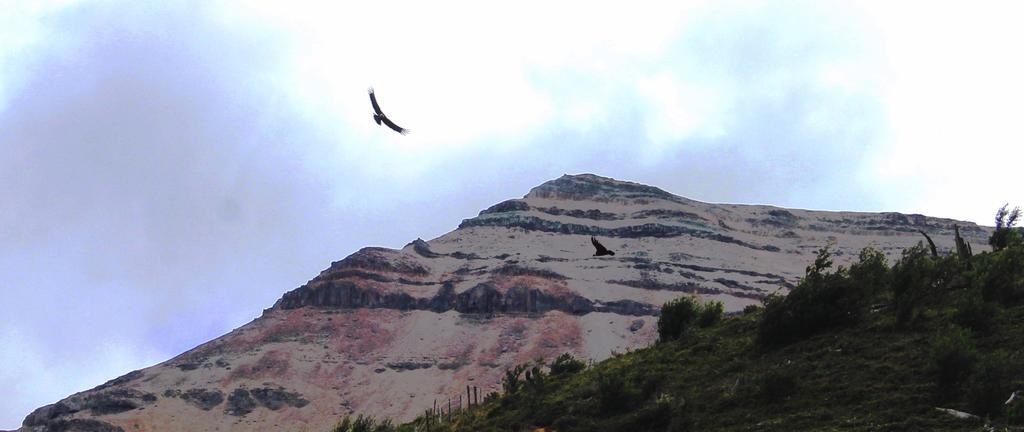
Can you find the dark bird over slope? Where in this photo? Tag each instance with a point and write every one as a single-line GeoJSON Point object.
{"type": "Point", "coordinates": [379, 116]}
{"type": "Point", "coordinates": [601, 250]}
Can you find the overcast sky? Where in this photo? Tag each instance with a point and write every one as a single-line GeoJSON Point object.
{"type": "Point", "coordinates": [169, 170]}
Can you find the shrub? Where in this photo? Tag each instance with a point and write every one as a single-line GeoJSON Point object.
{"type": "Point", "coordinates": [511, 383]}
{"type": "Point", "coordinates": [492, 396]}
{"type": "Point", "coordinates": [710, 313]}
{"type": "Point", "coordinates": [1015, 413]}
{"type": "Point", "coordinates": [566, 422]}
{"type": "Point", "coordinates": [682, 420]}
{"type": "Point", "coordinates": [870, 274]}
{"type": "Point", "coordinates": [777, 384]}
{"type": "Point", "coordinates": [363, 424]}
{"type": "Point", "coordinates": [1005, 235]}
{"type": "Point", "coordinates": [973, 312]}
{"type": "Point", "coordinates": [953, 356]}
{"type": "Point", "coordinates": [751, 309]}
{"type": "Point", "coordinates": [776, 321]}
{"type": "Point", "coordinates": [821, 300]}
{"type": "Point", "coordinates": [611, 392]}
{"type": "Point", "coordinates": [824, 299]}
{"type": "Point", "coordinates": [914, 278]}
{"type": "Point", "coordinates": [650, 383]}
{"type": "Point", "coordinates": [665, 413]}
{"type": "Point", "coordinates": [566, 364]}
{"type": "Point", "coordinates": [534, 377]}
{"type": "Point", "coordinates": [989, 385]}
{"type": "Point", "coordinates": [676, 317]}
{"type": "Point", "coordinates": [1000, 275]}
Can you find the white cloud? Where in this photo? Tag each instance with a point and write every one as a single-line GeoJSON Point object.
{"type": "Point", "coordinates": [954, 97]}
{"type": "Point", "coordinates": [21, 32]}
{"type": "Point", "coordinates": [681, 109]}
{"type": "Point", "coordinates": [34, 376]}
{"type": "Point", "coordinates": [462, 74]}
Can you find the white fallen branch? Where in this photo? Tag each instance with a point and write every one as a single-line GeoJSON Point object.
{"type": "Point", "coordinates": [958, 414]}
{"type": "Point", "coordinates": [1013, 397]}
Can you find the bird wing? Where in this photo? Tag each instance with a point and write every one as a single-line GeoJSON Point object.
{"type": "Point", "coordinates": [373, 100]}
{"type": "Point", "coordinates": [392, 125]}
{"type": "Point", "coordinates": [598, 245]}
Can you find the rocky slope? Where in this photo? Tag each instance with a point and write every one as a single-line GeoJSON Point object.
{"type": "Point", "coordinates": [387, 332]}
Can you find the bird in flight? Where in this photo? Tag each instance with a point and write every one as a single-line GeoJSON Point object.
{"type": "Point", "coordinates": [601, 250]}
{"type": "Point", "coordinates": [379, 116]}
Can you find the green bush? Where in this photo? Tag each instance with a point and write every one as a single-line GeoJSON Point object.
{"type": "Point", "coordinates": [1000, 275]}
{"type": "Point", "coordinates": [821, 300]}
{"type": "Point", "coordinates": [1015, 413]}
{"type": "Point", "coordinates": [777, 384]}
{"type": "Point", "coordinates": [777, 322]}
{"type": "Point", "coordinates": [710, 313]}
{"type": "Point", "coordinates": [953, 356]}
{"type": "Point", "coordinates": [990, 385]}
{"type": "Point", "coordinates": [363, 424]}
{"type": "Point", "coordinates": [511, 383]}
{"type": "Point", "coordinates": [682, 420]}
{"type": "Point", "coordinates": [650, 383]}
{"type": "Point", "coordinates": [535, 376]}
{"type": "Point", "coordinates": [566, 364]}
{"type": "Point", "coordinates": [677, 316]}
{"type": "Point", "coordinates": [1005, 234]}
{"type": "Point", "coordinates": [664, 413]}
{"type": "Point", "coordinates": [973, 312]}
{"type": "Point", "coordinates": [612, 394]}
{"type": "Point", "coordinates": [914, 279]}
{"type": "Point", "coordinates": [751, 309]}
{"type": "Point", "coordinates": [567, 422]}
{"type": "Point", "coordinates": [870, 274]}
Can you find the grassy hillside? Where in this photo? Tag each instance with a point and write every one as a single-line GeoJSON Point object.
{"type": "Point", "coordinates": [870, 347]}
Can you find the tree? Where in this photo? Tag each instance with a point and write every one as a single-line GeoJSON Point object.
{"type": "Point", "coordinates": [511, 383]}
{"type": "Point", "coordinates": [1005, 235]}
{"type": "Point", "coordinates": [914, 278]}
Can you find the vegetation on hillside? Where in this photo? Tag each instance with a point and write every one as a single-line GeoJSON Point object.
{"type": "Point", "coordinates": [868, 347]}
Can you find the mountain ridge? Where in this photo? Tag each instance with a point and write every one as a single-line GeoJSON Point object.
{"type": "Point", "coordinates": [385, 331]}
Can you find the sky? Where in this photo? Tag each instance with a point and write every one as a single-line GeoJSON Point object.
{"type": "Point", "coordinates": [169, 169]}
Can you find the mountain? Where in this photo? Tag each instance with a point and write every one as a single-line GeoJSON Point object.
{"type": "Point", "coordinates": [387, 332]}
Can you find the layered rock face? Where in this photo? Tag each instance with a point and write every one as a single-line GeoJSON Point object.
{"type": "Point", "coordinates": [387, 332]}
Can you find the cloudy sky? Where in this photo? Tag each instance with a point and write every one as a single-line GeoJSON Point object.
{"type": "Point", "coordinates": [169, 170]}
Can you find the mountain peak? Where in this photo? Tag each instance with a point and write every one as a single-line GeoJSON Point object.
{"type": "Point", "coordinates": [587, 186]}
{"type": "Point", "coordinates": [398, 329]}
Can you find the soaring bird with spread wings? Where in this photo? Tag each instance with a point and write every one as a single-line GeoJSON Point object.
{"type": "Point", "coordinates": [601, 250]}
{"type": "Point", "coordinates": [379, 116]}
